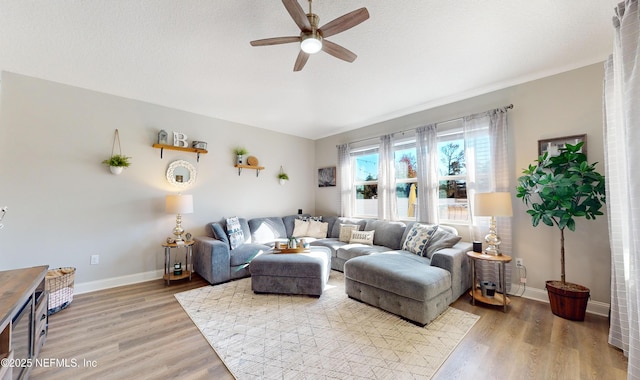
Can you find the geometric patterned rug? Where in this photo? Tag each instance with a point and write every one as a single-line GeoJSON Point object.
{"type": "Point", "coordinates": [269, 336]}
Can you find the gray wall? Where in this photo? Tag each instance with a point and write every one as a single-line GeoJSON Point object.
{"type": "Point", "coordinates": [64, 206]}
{"type": "Point", "coordinates": [560, 105]}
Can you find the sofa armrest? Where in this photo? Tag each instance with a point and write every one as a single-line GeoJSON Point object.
{"type": "Point", "coordinates": [455, 261]}
{"type": "Point", "coordinates": [211, 259]}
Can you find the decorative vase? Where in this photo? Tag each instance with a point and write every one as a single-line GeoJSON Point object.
{"type": "Point", "coordinates": [283, 181]}
{"type": "Point", "coordinates": [116, 169]}
{"type": "Point", "coordinates": [239, 159]}
{"type": "Point", "coordinates": [568, 303]}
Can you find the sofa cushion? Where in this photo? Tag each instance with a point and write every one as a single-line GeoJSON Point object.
{"type": "Point", "coordinates": [442, 238]}
{"type": "Point", "coordinates": [388, 234]}
{"type": "Point", "coordinates": [246, 252]}
{"type": "Point", "coordinates": [362, 237]}
{"type": "Point", "coordinates": [267, 230]}
{"type": "Point", "coordinates": [332, 243]}
{"type": "Point", "coordinates": [317, 229]}
{"type": "Point", "coordinates": [330, 220]}
{"type": "Point", "coordinates": [234, 231]}
{"type": "Point", "coordinates": [345, 231]}
{"type": "Point", "coordinates": [216, 231]}
{"type": "Point", "coordinates": [335, 231]}
{"type": "Point", "coordinates": [349, 251]}
{"type": "Point", "coordinates": [418, 238]}
{"type": "Point", "coordinates": [400, 272]}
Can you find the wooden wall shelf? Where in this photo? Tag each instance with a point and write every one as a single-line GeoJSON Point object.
{"type": "Point", "coordinates": [242, 166]}
{"type": "Point", "coordinates": [162, 147]}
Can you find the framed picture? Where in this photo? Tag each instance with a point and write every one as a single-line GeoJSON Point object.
{"type": "Point", "coordinates": [327, 177]}
{"type": "Point", "coordinates": [552, 146]}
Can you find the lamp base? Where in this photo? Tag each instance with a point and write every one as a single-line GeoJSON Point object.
{"type": "Point", "coordinates": [178, 230]}
{"type": "Point", "coordinates": [492, 239]}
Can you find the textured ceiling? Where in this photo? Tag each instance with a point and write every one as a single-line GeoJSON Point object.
{"type": "Point", "coordinates": [194, 55]}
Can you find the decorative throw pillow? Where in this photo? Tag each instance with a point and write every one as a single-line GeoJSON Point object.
{"type": "Point", "coordinates": [236, 236]}
{"type": "Point", "coordinates": [345, 232]}
{"type": "Point", "coordinates": [440, 239]}
{"type": "Point", "coordinates": [317, 229]}
{"type": "Point", "coordinates": [300, 228]}
{"type": "Point", "coordinates": [362, 237]}
{"type": "Point", "coordinates": [310, 218]}
{"type": "Point", "coordinates": [418, 238]}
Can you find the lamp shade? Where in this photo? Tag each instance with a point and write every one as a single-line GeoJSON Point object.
{"type": "Point", "coordinates": [179, 204]}
{"type": "Point", "coordinates": [493, 204]}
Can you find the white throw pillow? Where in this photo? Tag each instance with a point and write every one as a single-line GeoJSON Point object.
{"type": "Point", "coordinates": [300, 228]}
{"type": "Point", "coordinates": [317, 229]}
{"type": "Point", "coordinates": [236, 236]}
{"type": "Point", "coordinates": [418, 238]}
{"type": "Point", "coordinates": [362, 237]}
{"type": "Point", "coordinates": [345, 231]}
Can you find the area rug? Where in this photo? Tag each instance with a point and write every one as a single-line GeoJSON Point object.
{"type": "Point", "coordinates": [266, 336]}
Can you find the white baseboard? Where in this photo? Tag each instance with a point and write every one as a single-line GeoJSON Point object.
{"type": "Point", "coordinates": [92, 286]}
{"type": "Point", "coordinates": [593, 307]}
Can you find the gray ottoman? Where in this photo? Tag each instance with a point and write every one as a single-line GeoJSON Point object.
{"type": "Point", "coordinates": [291, 273]}
{"type": "Point", "coordinates": [401, 283]}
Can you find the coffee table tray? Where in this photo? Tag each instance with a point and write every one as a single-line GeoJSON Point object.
{"type": "Point", "coordinates": [291, 250]}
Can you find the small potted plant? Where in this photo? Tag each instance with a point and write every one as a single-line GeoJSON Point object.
{"type": "Point", "coordinates": [283, 177]}
{"type": "Point", "coordinates": [557, 190]}
{"type": "Point", "coordinates": [117, 162]}
{"type": "Point", "coordinates": [240, 151]}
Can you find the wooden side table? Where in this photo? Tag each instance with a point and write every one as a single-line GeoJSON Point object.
{"type": "Point", "coordinates": [168, 268]}
{"type": "Point", "coordinates": [476, 292]}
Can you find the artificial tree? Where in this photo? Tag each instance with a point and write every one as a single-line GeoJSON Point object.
{"type": "Point", "coordinates": [558, 190]}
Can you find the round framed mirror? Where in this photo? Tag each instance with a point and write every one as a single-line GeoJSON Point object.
{"type": "Point", "coordinates": [181, 173]}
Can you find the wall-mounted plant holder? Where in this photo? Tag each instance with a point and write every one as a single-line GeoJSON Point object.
{"type": "Point", "coordinates": [282, 176]}
{"type": "Point", "coordinates": [117, 162]}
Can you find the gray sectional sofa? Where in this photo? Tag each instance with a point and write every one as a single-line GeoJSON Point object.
{"type": "Point", "coordinates": [417, 287]}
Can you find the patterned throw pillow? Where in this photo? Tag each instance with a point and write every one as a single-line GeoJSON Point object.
{"type": "Point", "coordinates": [317, 229]}
{"type": "Point", "coordinates": [345, 232]}
{"type": "Point", "coordinates": [418, 238]}
{"type": "Point", "coordinates": [362, 237]}
{"type": "Point", "coordinates": [310, 218]}
{"type": "Point", "coordinates": [236, 236]}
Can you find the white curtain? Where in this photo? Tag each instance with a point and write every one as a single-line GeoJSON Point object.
{"type": "Point", "coordinates": [485, 142]}
{"type": "Point", "coordinates": [622, 158]}
{"type": "Point", "coordinates": [345, 176]}
{"type": "Point", "coordinates": [387, 203]}
{"type": "Point", "coordinates": [427, 152]}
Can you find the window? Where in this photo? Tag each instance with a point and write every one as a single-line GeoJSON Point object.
{"type": "Point", "coordinates": [365, 166]}
{"type": "Point", "coordinates": [406, 179]}
{"type": "Point", "coordinates": [452, 178]}
{"type": "Point", "coordinates": [453, 206]}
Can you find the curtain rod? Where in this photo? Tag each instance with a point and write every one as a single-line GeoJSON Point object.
{"type": "Point", "coordinates": [505, 108]}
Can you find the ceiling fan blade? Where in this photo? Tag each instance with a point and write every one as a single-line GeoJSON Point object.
{"type": "Point", "coordinates": [344, 22]}
{"type": "Point", "coordinates": [300, 61]}
{"type": "Point", "coordinates": [275, 41]}
{"type": "Point", "coordinates": [297, 14]}
{"type": "Point", "coordinates": [338, 51]}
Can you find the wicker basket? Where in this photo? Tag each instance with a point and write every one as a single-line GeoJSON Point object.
{"type": "Point", "coordinates": [59, 284]}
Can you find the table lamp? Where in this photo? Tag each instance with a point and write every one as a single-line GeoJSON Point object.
{"type": "Point", "coordinates": [179, 204]}
{"type": "Point", "coordinates": [493, 204]}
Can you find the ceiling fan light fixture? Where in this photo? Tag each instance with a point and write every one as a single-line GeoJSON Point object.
{"type": "Point", "coordinates": [311, 44]}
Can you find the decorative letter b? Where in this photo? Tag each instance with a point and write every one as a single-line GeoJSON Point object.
{"type": "Point", "coordinates": [180, 139]}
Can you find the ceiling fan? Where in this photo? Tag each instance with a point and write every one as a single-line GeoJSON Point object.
{"type": "Point", "coordinates": [312, 38]}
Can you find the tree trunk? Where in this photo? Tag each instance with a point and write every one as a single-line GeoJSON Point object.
{"type": "Point", "coordinates": [562, 278]}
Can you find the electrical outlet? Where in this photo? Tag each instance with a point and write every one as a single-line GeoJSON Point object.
{"type": "Point", "coordinates": [95, 259]}
{"type": "Point", "coordinates": [519, 262]}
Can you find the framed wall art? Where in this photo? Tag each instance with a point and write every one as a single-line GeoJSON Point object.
{"type": "Point", "coordinates": [327, 177]}
{"type": "Point", "coordinates": [552, 146]}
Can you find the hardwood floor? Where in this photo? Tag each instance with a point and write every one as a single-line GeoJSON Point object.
{"type": "Point", "coordinates": [140, 331]}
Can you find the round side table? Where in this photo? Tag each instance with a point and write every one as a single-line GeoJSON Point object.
{"type": "Point", "coordinates": [168, 271]}
{"type": "Point", "coordinates": [476, 292]}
